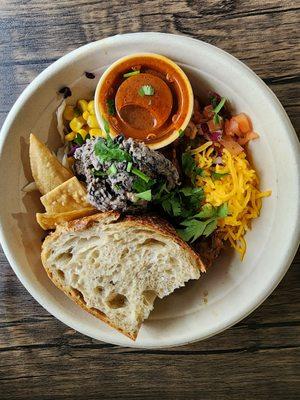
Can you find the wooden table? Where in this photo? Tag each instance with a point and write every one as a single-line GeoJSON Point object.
{"type": "Point", "coordinates": [43, 359]}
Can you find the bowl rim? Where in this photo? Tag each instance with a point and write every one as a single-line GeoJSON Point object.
{"type": "Point", "coordinates": [290, 250]}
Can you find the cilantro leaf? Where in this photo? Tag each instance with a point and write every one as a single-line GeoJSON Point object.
{"type": "Point", "coordinates": [140, 185]}
{"type": "Point", "coordinates": [172, 205]}
{"type": "Point", "coordinates": [106, 127]}
{"type": "Point", "coordinates": [147, 195]}
{"type": "Point", "coordinates": [217, 175]}
{"type": "Point", "coordinates": [203, 223]}
{"type": "Point", "coordinates": [109, 151]}
{"type": "Point", "coordinates": [146, 90]}
{"type": "Point", "coordinates": [132, 73]}
{"type": "Point", "coordinates": [140, 174]}
{"type": "Point", "coordinates": [223, 210]}
{"type": "Point", "coordinates": [99, 173]}
{"type": "Point", "coordinates": [129, 167]}
{"type": "Point", "coordinates": [210, 227]}
{"type": "Point", "coordinates": [208, 211]}
{"type": "Point", "coordinates": [188, 163]}
{"type": "Point", "coordinates": [111, 106]}
{"type": "Point", "coordinates": [79, 139]}
{"type": "Point", "coordinates": [112, 170]}
{"type": "Point", "coordinates": [180, 133]}
{"type": "Point", "coordinates": [193, 230]}
{"type": "Point", "coordinates": [189, 166]}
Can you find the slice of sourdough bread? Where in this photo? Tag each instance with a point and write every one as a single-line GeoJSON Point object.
{"type": "Point", "coordinates": [115, 267]}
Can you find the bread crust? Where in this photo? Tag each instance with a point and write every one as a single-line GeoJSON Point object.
{"type": "Point", "coordinates": [151, 222]}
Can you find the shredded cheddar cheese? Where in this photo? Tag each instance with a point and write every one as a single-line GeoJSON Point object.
{"type": "Point", "coordinates": [238, 187]}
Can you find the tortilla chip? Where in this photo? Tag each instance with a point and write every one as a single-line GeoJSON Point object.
{"type": "Point", "coordinates": [50, 221]}
{"type": "Point", "coordinates": [47, 171]}
{"type": "Point", "coordinates": [69, 196]}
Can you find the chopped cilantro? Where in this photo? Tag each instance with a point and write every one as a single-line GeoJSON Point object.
{"type": "Point", "coordinates": [99, 173]}
{"type": "Point", "coordinates": [110, 151]}
{"type": "Point", "coordinates": [222, 210]}
{"type": "Point", "coordinates": [106, 127]}
{"type": "Point", "coordinates": [129, 166]}
{"type": "Point", "coordinates": [140, 185]}
{"type": "Point", "coordinates": [111, 106]}
{"type": "Point", "coordinates": [112, 170]}
{"type": "Point", "coordinates": [79, 139]}
{"type": "Point", "coordinates": [140, 174]}
{"type": "Point", "coordinates": [217, 175]}
{"type": "Point", "coordinates": [172, 204]}
{"type": "Point", "coordinates": [132, 73]}
{"type": "Point", "coordinates": [180, 202]}
{"type": "Point", "coordinates": [147, 195]}
{"type": "Point", "coordinates": [189, 166]}
{"type": "Point", "coordinates": [146, 90]}
{"type": "Point", "coordinates": [217, 109]}
{"type": "Point", "coordinates": [181, 133]}
{"type": "Point", "coordinates": [216, 119]}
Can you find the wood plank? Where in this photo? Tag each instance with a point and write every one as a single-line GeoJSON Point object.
{"type": "Point", "coordinates": [228, 25]}
{"type": "Point", "coordinates": [56, 372]}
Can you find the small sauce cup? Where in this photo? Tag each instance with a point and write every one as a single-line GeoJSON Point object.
{"type": "Point", "coordinates": [146, 97]}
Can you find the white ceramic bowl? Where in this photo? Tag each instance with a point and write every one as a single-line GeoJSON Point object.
{"type": "Point", "coordinates": [231, 289]}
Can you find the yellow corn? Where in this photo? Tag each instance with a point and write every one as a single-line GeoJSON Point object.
{"type": "Point", "coordinates": [96, 132]}
{"type": "Point", "coordinates": [68, 113]}
{"type": "Point", "coordinates": [77, 123]}
{"type": "Point", "coordinates": [70, 136]}
{"type": "Point", "coordinates": [83, 133]}
{"type": "Point", "coordinates": [90, 107]}
{"type": "Point", "coordinates": [82, 105]}
{"type": "Point", "coordinates": [85, 115]}
{"type": "Point", "coordinates": [92, 122]}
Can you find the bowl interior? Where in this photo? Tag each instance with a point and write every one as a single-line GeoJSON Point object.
{"type": "Point", "coordinates": [229, 290]}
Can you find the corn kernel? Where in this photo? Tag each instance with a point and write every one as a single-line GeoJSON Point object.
{"type": "Point", "coordinates": [77, 123]}
{"type": "Point", "coordinates": [70, 136]}
{"type": "Point", "coordinates": [68, 113]}
{"type": "Point", "coordinates": [91, 108]}
{"type": "Point", "coordinates": [96, 132]}
{"type": "Point", "coordinates": [82, 105]}
{"type": "Point", "coordinates": [92, 122]}
{"type": "Point", "coordinates": [85, 115]}
{"type": "Point", "coordinates": [83, 133]}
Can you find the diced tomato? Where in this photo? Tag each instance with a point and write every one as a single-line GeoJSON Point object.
{"type": "Point", "coordinates": [214, 127]}
{"type": "Point", "coordinates": [247, 137]}
{"type": "Point", "coordinates": [231, 145]}
{"type": "Point", "coordinates": [244, 122]}
{"type": "Point", "coordinates": [208, 112]}
{"type": "Point", "coordinates": [232, 127]}
{"type": "Point", "coordinates": [197, 117]}
{"type": "Point", "coordinates": [191, 130]}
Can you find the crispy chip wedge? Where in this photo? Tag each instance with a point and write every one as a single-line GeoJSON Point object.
{"type": "Point", "coordinates": [69, 196]}
{"type": "Point", "coordinates": [47, 171]}
{"type": "Point", "coordinates": [50, 221]}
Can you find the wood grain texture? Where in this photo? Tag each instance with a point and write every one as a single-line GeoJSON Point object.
{"type": "Point", "coordinates": [40, 358]}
